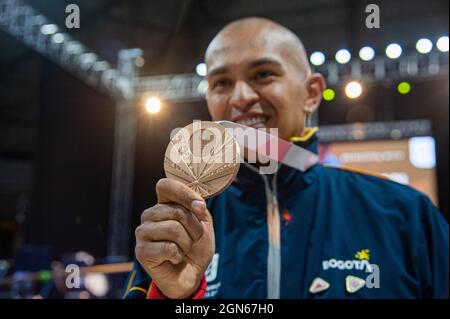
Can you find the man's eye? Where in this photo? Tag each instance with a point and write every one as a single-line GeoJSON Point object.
{"type": "Point", "coordinates": [220, 83]}
{"type": "Point", "coordinates": [262, 74]}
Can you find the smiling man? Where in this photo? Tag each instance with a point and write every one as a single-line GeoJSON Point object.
{"type": "Point", "coordinates": [320, 233]}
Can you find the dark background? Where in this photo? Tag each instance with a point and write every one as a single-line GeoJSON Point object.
{"type": "Point", "coordinates": [56, 133]}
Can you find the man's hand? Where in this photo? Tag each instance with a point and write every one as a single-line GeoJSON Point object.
{"type": "Point", "coordinates": [175, 241]}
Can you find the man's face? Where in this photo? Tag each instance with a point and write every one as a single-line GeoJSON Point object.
{"type": "Point", "coordinates": [257, 83]}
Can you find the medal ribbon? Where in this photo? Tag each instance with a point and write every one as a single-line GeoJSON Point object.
{"type": "Point", "coordinates": [285, 152]}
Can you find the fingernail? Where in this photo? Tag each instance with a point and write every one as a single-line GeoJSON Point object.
{"type": "Point", "coordinates": [198, 205]}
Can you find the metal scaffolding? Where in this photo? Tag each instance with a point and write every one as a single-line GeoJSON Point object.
{"type": "Point", "coordinates": [28, 25]}
{"type": "Point", "coordinates": [123, 163]}
{"type": "Point", "coordinates": [32, 28]}
{"type": "Point", "coordinates": [188, 87]}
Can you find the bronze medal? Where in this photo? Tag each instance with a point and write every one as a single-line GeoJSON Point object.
{"type": "Point", "coordinates": [204, 156]}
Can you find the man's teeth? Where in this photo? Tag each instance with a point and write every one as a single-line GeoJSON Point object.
{"type": "Point", "coordinates": [253, 121]}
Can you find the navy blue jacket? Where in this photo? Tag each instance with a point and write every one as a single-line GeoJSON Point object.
{"type": "Point", "coordinates": [343, 234]}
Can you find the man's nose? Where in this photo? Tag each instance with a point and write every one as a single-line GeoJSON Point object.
{"type": "Point", "coordinates": [243, 96]}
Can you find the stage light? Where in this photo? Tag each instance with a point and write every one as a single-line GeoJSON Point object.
{"type": "Point", "coordinates": [393, 51]}
{"type": "Point", "coordinates": [153, 105]}
{"type": "Point", "coordinates": [343, 56]}
{"type": "Point", "coordinates": [404, 88]}
{"type": "Point", "coordinates": [442, 44]}
{"type": "Point", "coordinates": [353, 89]}
{"type": "Point", "coordinates": [366, 53]}
{"type": "Point", "coordinates": [317, 58]}
{"type": "Point", "coordinates": [424, 46]}
{"type": "Point", "coordinates": [49, 29]}
{"type": "Point", "coordinates": [58, 38]}
{"type": "Point", "coordinates": [201, 69]}
{"type": "Point", "coordinates": [328, 95]}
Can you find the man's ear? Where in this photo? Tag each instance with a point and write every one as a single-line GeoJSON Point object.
{"type": "Point", "coordinates": [315, 87]}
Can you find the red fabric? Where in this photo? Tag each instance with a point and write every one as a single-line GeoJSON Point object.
{"type": "Point", "coordinates": [155, 293]}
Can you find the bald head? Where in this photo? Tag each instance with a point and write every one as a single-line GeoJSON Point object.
{"type": "Point", "coordinates": [260, 33]}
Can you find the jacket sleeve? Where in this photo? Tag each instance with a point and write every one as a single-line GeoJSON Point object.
{"type": "Point", "coordinates": [137, 284]}
{"type": "Point", "coordinates": [155, 293]}
{"type": "Point", "coordinates": [140, 286]}
{"type": "Point", "coordinates": [433, 252]}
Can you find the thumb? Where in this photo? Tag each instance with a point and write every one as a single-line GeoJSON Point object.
{"type": "Point", "coordinates": [172, 191]}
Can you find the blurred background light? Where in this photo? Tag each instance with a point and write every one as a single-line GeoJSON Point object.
{"type": "Point", "coordinates": [153, 105]}
{"type": "Point", "coordinates": [88, 58]}
{"type": "Point", "coordinates": [353, 89]}
{"type": "Point", "coordinates": [96, 284]}
{"type": "Point", "coordinates": [343, 56]}
{"type": "Point", "coordinates": [58, 38]}
{"type": "Point", "coordinates": [74, 47]}
{"type": "Point", "coordinates": [201, 69]}
{"type": "Point", "coordinates": [424, 46]}
{"type": "Point", "coordinates": [84, 257]}
{"type": "Point", "coordinates": [393, 51]}
{"type": "Point", "coordinates": [49, 29]}
{"type": "Point", "coordinates": [329, 94]}
{"type": "Point", "coordinates": [442, 44]}
{"type": "Point", "coordinates": [404, 87]}
{"type": "Point", "coordinates": [139, 62]}
{"type": "Point", "coordinates": [202, 86]}
{"type": "Point", "coordinates": [366, 53]}
{"type": "Point", "coordinates": [101, 65]}
{"type": "Point", "coordinates": [317, 58]}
